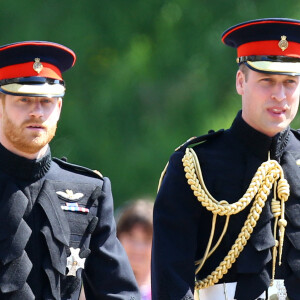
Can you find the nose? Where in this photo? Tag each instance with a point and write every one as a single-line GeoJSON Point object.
{"type": "Point", "coordinates": [279, 92]}
{"type": "Point", "coordinates": [37, 110]}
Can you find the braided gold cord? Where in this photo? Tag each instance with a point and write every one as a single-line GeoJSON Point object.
{"type": "Point", "coordinates": [283, 189]}
{"type": "Point", "coordinates": [201, 261]}
{"type": "Point", "coordinates": [190, 164]}
{"type": "Point", "coordinates": [276, 210]}
{"type": "Point", "coordinates": [259, 190]}
{"type": "Point", "coordinates": [206, 253]}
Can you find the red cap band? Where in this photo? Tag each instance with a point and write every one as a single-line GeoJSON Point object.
{"type": "Point", "coordinates": [268, 48]}
{"type": "Point", "coordinates": [26, 70]}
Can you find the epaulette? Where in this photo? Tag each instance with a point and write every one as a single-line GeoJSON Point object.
{"type": "Point", "coordinates": [193, 141]}
{"type": "Point", "coordinates": [78, 169]}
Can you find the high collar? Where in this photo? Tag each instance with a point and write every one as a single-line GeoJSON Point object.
{"type": "Point", "coordinates": [258, 143]}
{"type": "Point", "coordinates": [23, 168]}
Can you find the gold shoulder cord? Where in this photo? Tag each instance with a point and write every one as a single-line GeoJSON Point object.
{"type": "Point", "coordinates": [259, 189]}
{"type": "Point", "coordinates": [162, 175]}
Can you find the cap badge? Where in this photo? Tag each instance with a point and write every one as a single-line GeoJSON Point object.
{"type": "Point", "coordinates": [37, 66]}
{"type": "Point", "coordinates": [283, 43]}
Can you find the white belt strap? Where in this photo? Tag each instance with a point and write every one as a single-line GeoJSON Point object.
{"type": "Point", "coordinates": [226, 291]}
{"type": "Point", "coordinates": [221, 291]}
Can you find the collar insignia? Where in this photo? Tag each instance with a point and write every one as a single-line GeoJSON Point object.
{"type": "Point", "coordinates": [283, 43]}
{"type": "Point", "coordinates": [37, 66]}
{"type": "Point", "coordinates": [74, 207]}
{"type": "Point", "coordinates": [74, 262]}
{"type": "Point", "coordinates": [70, 195]}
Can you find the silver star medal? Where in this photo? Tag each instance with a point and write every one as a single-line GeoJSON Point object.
{"type": "Point", "coordinates": [74, 262]}
{"type": "Point", "coordinates": [278, 290]}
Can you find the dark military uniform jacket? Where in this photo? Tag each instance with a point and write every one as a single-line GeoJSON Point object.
{"type": "Point", "coordinates": [228, 160]}
{"type": "Point", "coordinates": [53, 213]}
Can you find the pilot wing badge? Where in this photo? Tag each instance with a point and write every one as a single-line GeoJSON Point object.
{"type": "Point", "coordinates": [69, 195]}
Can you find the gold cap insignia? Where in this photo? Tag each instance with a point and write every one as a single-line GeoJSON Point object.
{"type": "Point", "coordinates": [37, 66]}
{"type": "Point", "coordinates": [283, 43]}
{"type": "Point", "coordinates": [69, 195]}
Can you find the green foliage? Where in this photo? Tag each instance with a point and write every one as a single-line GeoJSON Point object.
{"type": "Point", "coordinates": [149, 75]}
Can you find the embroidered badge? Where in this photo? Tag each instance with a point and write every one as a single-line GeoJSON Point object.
{"type": "Point", "coordinates": [74, 207]}
{"type": "Point", "coordinates": [37, 66]}
{"type": "Point", "coordinates": [70, 195]}
{"type": "Point", "coordinates": [283, 43]}
{"type": "Point", "coordinates": [74, 262]}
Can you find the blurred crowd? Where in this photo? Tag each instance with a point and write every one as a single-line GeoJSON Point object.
{"type": "Point", "coordinates": [135, 230]}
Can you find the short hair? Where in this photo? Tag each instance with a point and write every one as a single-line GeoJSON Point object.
{"type": "Point", "coordinates": [138, 212]}
{"type": "Point", "coordinates": [2, 98]}
{"type": "Point", "coordinates": [245, 70]}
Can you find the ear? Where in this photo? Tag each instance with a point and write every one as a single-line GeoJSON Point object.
{"type": "Point", "coordinates": [1, 105]}
{"type": "Point", "coordinates": [59, 106]}
{"type": "Point", "coordinates": [239, 82]}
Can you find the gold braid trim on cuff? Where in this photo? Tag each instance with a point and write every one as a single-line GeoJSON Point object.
{"type": "Point", "coordinates": [259, 189]}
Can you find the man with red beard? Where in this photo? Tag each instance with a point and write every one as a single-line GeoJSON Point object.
{"type": "Point", "coordinates": [57, 227]}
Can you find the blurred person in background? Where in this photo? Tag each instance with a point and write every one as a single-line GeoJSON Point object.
{"type": "Point", "coordinates": [134, 230]}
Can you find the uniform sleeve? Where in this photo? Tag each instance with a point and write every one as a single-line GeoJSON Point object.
{"type": "Point", "coordinates": [176, 214]}
{"type": "Point", "coordinates": [108, 274]}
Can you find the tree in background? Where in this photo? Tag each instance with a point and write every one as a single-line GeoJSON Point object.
{"type": "Point", "coordinates": [149, 75]}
